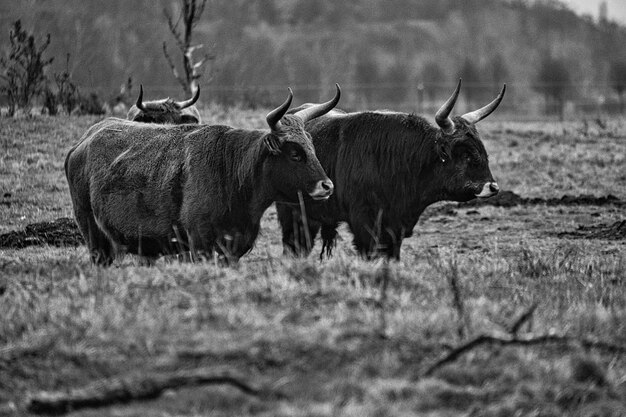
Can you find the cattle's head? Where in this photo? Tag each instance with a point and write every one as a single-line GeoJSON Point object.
{"type": "Point", "coordinates": [462, 156]}
{"type": "Point", "coordinates": [292, 163]}
{"type": "Point", "coordinates": [165, 111]}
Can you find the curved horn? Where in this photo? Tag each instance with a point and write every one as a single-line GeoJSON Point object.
{"type": "Point", "coordinates": [319, 109]}
{"type": "Point", "coordinates": [184, 104]}
{"type": "Point", "coordinates": [139, 102]}
{"type": "Point", "coordinates": [273, 117]}
{"type": "Point", "coordinates": [478, 115]}
{"type": "Point", "coordinates": [443, 114]}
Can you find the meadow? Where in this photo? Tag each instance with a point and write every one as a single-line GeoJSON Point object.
{"type": "Point", "coordinates": [540, 299]}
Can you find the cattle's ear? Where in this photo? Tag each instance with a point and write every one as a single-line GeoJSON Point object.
{"type": "Point", "coordinates": [273, 143]}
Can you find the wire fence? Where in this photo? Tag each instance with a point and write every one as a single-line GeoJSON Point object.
{"type": "Point", "coordinates": [522, 100]}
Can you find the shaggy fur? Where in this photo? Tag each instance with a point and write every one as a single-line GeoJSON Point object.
{"type": "Point", "coordinates": [152, 189]}
{"type": "Point", "coordinates": [387, 168]}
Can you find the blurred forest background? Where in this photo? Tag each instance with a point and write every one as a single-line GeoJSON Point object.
{"type": "Point", "coordinates": [399, 54]}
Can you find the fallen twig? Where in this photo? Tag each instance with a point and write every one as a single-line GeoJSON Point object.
{"type": "Point", "coordinates": [519, 322]}
{"type": "Point", "coordinates": [526, 340]}
{"type": "Point", "coordinates": [131, 388]}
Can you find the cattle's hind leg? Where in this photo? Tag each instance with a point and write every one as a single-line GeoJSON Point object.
{"type": "Point", "coordinates": [390, 243]}
{"type": "Point", "coordinates": [100, 247]}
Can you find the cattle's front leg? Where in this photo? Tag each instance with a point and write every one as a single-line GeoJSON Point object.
{"type": "Point", "coordinates": [374, 238]}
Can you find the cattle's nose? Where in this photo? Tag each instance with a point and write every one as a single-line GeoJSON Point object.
{"type": "Point", "coordinates": [323, 189]}
{"type": "Point", "coordinates": [489, 190]}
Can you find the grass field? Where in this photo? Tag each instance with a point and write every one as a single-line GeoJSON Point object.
{"type": "Point", "coordinates": [342, 337]}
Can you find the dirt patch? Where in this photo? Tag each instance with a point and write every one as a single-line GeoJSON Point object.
{"type": "Point", "coordinates": [60, 232]}
{"type": "Point", "coordinates": [615, 231]}
{"type": "Point", "coordinates": [511, 199]}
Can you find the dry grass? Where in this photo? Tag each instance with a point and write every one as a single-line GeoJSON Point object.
{"type": "Point", "coordinates": [313, 330]}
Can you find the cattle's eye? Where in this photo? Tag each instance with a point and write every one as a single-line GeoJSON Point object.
{"type": "Point", "coordinates": [295, 155]}
{"type": "Point", "coordinates": [472, 159]}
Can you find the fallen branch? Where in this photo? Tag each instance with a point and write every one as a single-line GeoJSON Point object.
{"type": "Point", "coordinates": [527, 340]}
{"type": "Point", "coordinates": [131, 388]}
{"type": "Point", "coordinates": [523, 318]}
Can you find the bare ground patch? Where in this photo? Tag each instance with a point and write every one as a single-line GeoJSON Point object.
{"type": "Point", "coordinates": [60, 232]}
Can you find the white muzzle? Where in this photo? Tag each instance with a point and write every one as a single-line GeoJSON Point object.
{"type": "Point", "coordinates": [489, 190]}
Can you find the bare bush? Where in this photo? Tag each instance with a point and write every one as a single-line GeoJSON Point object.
{"type": "Point", "coordinates": [65, 94]}
{"type": "Point", "coordinates": [23, 69]}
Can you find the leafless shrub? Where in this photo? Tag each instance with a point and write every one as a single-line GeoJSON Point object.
{"type": "Point", "coordinates": [23, 69]}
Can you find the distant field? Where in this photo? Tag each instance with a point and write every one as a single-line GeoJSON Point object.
{"type": "Point", "coordinates": [342, 337]}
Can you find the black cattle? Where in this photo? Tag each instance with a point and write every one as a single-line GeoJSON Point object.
{"type": "Point", "coordinates": [387, 168]}
{"type": "Point", "coordinates": [165, 111]}
{"type": "Point", "coordinates": [154, 189]}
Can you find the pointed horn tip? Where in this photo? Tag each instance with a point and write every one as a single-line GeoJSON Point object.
{"type": "Point", "coordinates": [139, 102]}
{"type": "Point", "coordinates": [335, 99]}
{"type": "Point", "coordinates": [190, 102]}
{"type": "Point", "coordinates": [478, 115]}
{"type": "Point", "coordinates": [273, 117]}
{"type": "Point", "coordinates": [290, 97]}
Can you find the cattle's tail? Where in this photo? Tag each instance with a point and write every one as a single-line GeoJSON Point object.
{"type": "Point", "coordinates": [329, 240]}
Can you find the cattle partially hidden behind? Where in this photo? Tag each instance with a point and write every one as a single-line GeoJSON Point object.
{"type": "Point", "coordinates": [165, 111]}
{"type": "Point", "coordinates": [387, 168]}
{"type": "Point", "coordinates": [153, 189]}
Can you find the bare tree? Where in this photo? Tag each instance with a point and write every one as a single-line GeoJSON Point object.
{"type": "Point", "coordinates": [189, 15]}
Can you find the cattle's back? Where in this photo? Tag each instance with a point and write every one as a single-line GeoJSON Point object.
{"type": "Point", "coordinates": [370, 156]}
{"type": "Point", "coordinates": [136, 174]}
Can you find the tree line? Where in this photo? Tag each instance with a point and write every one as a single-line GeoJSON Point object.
{"type": "Point", "coordinates": [389, 52]}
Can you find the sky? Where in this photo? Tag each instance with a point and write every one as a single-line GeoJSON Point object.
{"type": "Point", "coordinates": [616, 8]}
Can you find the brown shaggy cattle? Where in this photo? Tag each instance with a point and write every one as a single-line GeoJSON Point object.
{"type": "Point", "coordinates": [387, 167]}
{"type": "Point", "coordinates": [152, 189]}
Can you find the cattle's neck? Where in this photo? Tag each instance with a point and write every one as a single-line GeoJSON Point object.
{"type": "Point", "coordinates": [249, 193]}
